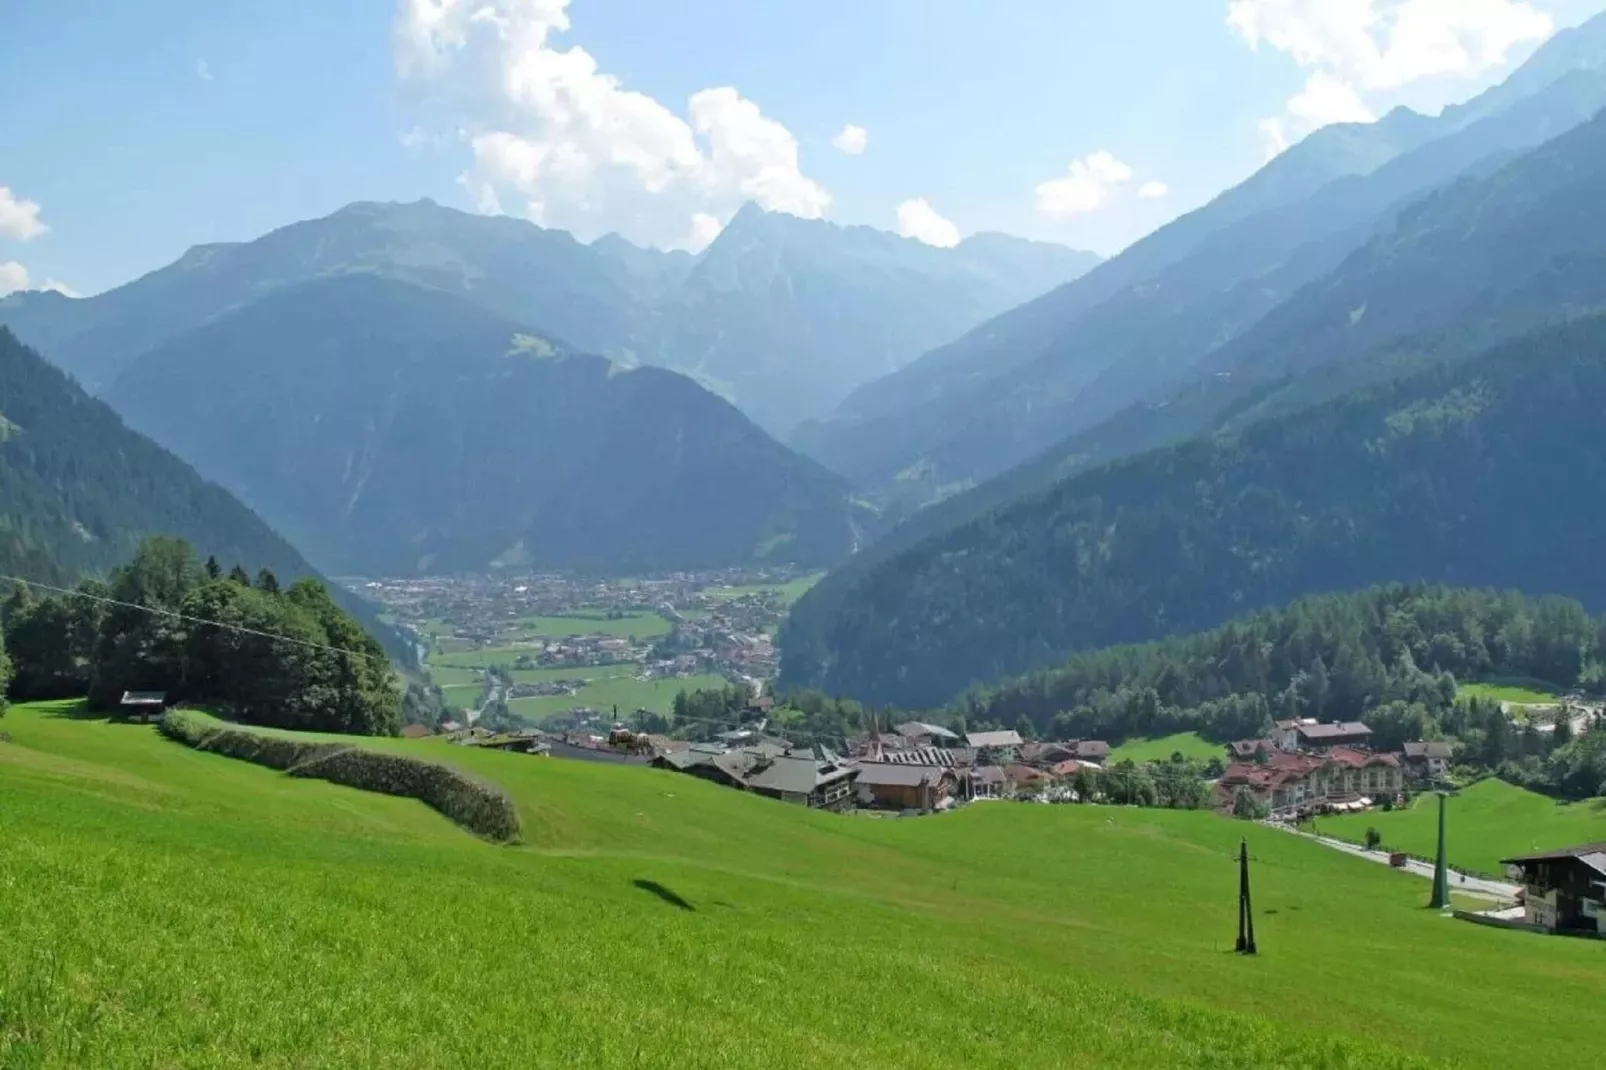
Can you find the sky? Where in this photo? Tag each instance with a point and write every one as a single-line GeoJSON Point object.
{"type": "Point", "coordinates": [131, 130]}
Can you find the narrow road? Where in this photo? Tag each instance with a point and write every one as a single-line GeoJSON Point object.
{"type": "Point", "coordinates": [1459, 882]}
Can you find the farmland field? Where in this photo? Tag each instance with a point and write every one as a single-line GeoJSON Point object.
{"type": "Point", "coordinates": [788, 592]}
{"type": "Point", "coordinates": [445, 674]}
{"type": "Point", "coordinates": [1488, 821]}
{"type": "Point", "coordinates": [613, 686]}
{"type": "Point", "coordinates": [1191, 744]}
{"type": "Point", "coordinates": [168, 907]}
{"type": "Point", "coordinates": [1522, 695]}
{"type": "Point", "coordinates": [580, 622]}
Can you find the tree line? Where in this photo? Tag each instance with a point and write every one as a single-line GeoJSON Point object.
{"type": "Point", "coordinates": [261, 654]}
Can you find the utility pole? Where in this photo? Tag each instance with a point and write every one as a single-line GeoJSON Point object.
{"type": "Point", "coordinates": [1246, 914]}
{"type": "Point", "coordinates": [1441, 869]}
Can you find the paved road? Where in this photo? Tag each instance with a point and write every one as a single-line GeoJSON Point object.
{"type": "Point", "coordinates": [1461, 883]}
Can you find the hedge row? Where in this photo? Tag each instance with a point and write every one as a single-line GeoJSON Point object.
{"type": "Point", "coordinates": [474, 804]}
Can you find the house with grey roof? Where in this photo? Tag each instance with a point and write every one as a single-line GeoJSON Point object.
{"type": "Point", "coordinates": [998, 748]}
{"type": "Point", "coordinates": [1564, 890]}
{"type": "Point", "coordinates": [921, 734]}
{"type": "Point", "coordinates": [1427, 759]}
{"type": "Point", "coordinates": [820, 780]}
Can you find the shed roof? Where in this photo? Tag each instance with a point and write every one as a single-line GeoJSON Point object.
{"type": "Point", "coordinates": [921, 728]}
{"type": "Point", "coordinates": [144, 698]}
{"type": "Point", "coordinates": [1429, 749]}
{"type": "Point", "coordinates": [1334, 730]}
{"type": "Point", "coordinates": [907, 776]}
{"type": "Point", "coordinates": [993, 739]}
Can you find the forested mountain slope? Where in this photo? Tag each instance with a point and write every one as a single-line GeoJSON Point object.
{"type": "Point", "coordinates": [1473, 474]}
{"type": "Point", "coordinates": [391, 429]}
{"type": "Point", "coordinates": [79, 491]}
{"type": "Point", "coordinates": [784, 316]}
{"type": "Point", "coordinates": [1083, 354]}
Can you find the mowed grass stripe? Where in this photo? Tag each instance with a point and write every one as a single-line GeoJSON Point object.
{"type": "Point", "coordinates": [237, 924]}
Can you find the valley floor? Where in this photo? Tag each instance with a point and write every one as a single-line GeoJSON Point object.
{"type": "Point", "coordinates": [166, 907]}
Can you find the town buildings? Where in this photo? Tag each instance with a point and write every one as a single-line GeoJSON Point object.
{"type": "Point", "coordinates": [1293, 781]}
{"type": "Point", "coordinates": [1428, 760]}
{"type": "Point", "coordinates": [1309, 734]}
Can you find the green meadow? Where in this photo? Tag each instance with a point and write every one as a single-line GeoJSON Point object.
{"type": "Point", "coordinates": [612, 686]}
{"type": "Point", "coordinates": [787, 592]}
{"type": "Point", "coordinates": [1524, 695]}
{"type": "Point", "coordinates": [1191, 744]}
{"type": "Point", "coordinates": [1486, 822]}
{"type": "Point", "coordinates": [168, 907]}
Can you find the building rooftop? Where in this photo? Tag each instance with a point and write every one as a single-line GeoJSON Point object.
{"type": "Point", "coordinates": [797, 776]}
{"type": "Point", "coordinates": [1333, 730]}
{"type": "Point", "coordinates": [1429, 749]}
{"type": "Point", "coordinates": [993, 739]}
{"type": "Point", "coordinates": [921, 728]}
{"type": "Point", "coordinates": [907, 776]}
{"type": "Point", "coordinates": [1592, 855]}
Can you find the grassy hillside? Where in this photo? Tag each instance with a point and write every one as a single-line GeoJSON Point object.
{"type": "Point", "coordinates": [1191, 744]}
{"type": "Point", "coordinates": [1489, 821]}
{"type": "Point", "coordinates": [180, 908]}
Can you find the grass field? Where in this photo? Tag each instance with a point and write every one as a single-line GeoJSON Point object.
{"type": "Point", "coordinates": [1524, 695]}
{"type": "Point", "coordinates": [448, 675]}
{"type": "Point", "coordinates": [168, 907]}
{"type": "Point", "coordinates": [788, 592]}
{"type": "Point", "coordinates": [1488, 821]}
{"type": "Point", "coordinates": [613, 686]}
{"type": "Point", "coordinates": [1191, 744]}
{"type": "Point", "coordinates": [561, 626]}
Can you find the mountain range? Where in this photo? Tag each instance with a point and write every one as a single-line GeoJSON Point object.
{"type": "Point", "coordinates": [1456, 245]}
{"type": "Point", "coordinates": [391, 429]}
{"type": "Point", "coordinates": [1197, 297]}
{"type": "Point", "coordinates": [782, 316]}
{"type": "Point", "coordinates": [79, 490]}
{"type": "Point", "coordinates": [1476, 473]}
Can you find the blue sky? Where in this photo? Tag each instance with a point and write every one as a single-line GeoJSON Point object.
{"type": "Point", "coordinates": [129, 134]}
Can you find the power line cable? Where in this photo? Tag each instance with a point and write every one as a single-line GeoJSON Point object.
{"type": "Point", "coordinates": [174, 614]}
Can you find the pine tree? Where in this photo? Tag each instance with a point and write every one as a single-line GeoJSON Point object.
{"type": "Point", "coordinates": [267, 581]}
{"type": "Point", "coordinates": [239, 575]}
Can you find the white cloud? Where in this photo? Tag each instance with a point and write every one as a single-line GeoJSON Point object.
{"type": "Point", "coordinates": [852, 140]}
{"type": "Point", "coordinates": [19, 218]}
{"type": "Point", "coordinates": [1357, 47]}
{"type": "Point", "coordinates": [61, 288]}
{"type": "Point", "coordinates": [704, 229]}
{"type": "Point", "coordinates": [573, 148]}
{"type": "Point", "coordinates": [13, 276]}
{"type": "Point", "coordinates": [919, 220]}
{"type": "Point", "coordinates": [203, 70]}
{"type": "Point", "coordinates": [1086, 187]}
{"type": "Point", "coordinates": [1153, 191]}
{"type": "Point", "coordinates": [417, 140]}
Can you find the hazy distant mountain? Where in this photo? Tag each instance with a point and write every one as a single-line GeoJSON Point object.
{"type": "Point", "coordinates": [393, 429]}
{"type": "Point", "coordinates": [79, 491]}
{"type": "Point", "coordinates": [1142, 324]}
{"type": "Point", "coordinates": [781, 315]}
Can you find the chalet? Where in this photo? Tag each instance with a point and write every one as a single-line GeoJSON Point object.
{"type": "Point", "coordinates": [819, 780]}
{"type": "Point", "coordinates": [1066, 769]}
{"type": "Point", "coordinates": [987, 782]}
{"type": "Point", "coordinates": [1427, 760]}
{"type": "Point", "coordinates": [905, 787]}
{"type": "Point", "coordinates": [1000, 748]}
{"type": "Point", "coordinates": [1244, 750]}
{"type": "Point", "coordinates": [920, 734]}
{"type": "Point", "coordinates": [143, 706]}
{"type": "Point", "coordinates": [1044, 755]}
{"type": "Point", "coordinates": [1025, 778]}
{"type": "Point", "coordinates": [1092, 750]}
{"type": "Point", "coordinates": [1564, 891]}
{"type": "Point", "coordinates": [1309, 734]}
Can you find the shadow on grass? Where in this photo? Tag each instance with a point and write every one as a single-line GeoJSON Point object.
{"type": "Point", "coordinates": [654, 888]}
{"type": "Point", "coordinates": [73, 709]}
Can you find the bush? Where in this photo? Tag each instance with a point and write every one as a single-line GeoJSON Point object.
{"type": "Point", "coordinates": [477, 806]}
{"type": "Point", "coordinates": [1374, 839]}
{"type": "Point", "coordinates": [471, 803]}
